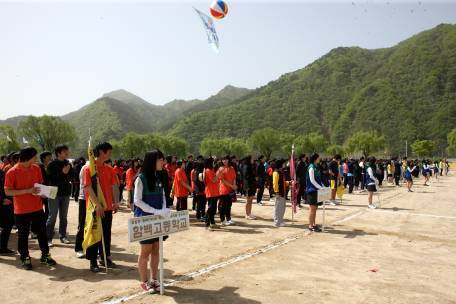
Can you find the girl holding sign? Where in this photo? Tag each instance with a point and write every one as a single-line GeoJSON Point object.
{"type": "Point", "coordinates": [149, 199]}
{"type": "Point", "coordinates": [313, 184]}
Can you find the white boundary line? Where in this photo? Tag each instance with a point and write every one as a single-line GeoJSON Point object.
{"type": "Point", "coordinates": [248, 255]}
{"type": "Point", "coordinates": [430, 215]}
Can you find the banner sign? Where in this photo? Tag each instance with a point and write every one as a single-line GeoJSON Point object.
{"type": "Point", "coordinates": [209, 26]}
{"type": "Point", "coordinates": [153, 226]}
{"type": "Point", "coordinates": [324, 195]}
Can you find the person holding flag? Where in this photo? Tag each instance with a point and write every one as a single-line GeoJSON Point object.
{"type": "Point", "coordinates": [280, 184]}
{"type": "Point", "coordinates": [100, 182]}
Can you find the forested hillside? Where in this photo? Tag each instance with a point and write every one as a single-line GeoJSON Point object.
{"type": "Point", "coordinates": [406, 92]}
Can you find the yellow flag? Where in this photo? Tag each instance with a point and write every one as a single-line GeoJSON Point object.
{"type": "Point", "coordinates": [92, 227]}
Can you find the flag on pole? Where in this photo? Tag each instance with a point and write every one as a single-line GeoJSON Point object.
{"type": "Point", "coordinates": [293, 181]}
{"type": "Point", "coordinates": [92, 227]}
{"type": "Point", "coordinates": [8, 139]}
{"type": "Point", "coordinates": [24, 140]}
{"type": "Point", "coordinates": [209, 26]}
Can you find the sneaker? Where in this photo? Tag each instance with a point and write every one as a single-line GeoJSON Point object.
{"type": "Point", "coordinates": [250, 217]}
{"type": "Point", "coordinates": [50, 244]}
{"type": "Point", "coordinates": [147, 287]}
{"type": "Point", "coordinates": [94, 266]}
{"type": "Point", "coordinates": [225, 223]}
{"type": "Point", "coordinates": [316, 228]}
{"type": "Point", "coordinates": [260, 204]}
{"type": "Point", "coordinates": [110, 263]}
{"type": "Point", "coordinates": [215, 226]}
{"type": "Point", "coordinates": [80, 254]}
{"type": "Point", "coordinates": [357, 191]}
{"type": "Point", "coordinates": [231, 222]}
{"type": "Point", "coordinates": [271, 200]}
{"type": "Point", "coordinates": [276, 225]}
{"type": "Point", "coordinates": [132, 212]}
{"type": "Point", "coordinates": [282, 224]}
{"type": "Point", "coordinates": [64, 240]}
{"type": "Point", "coordinates": [332, 203]}
{"type": "Point", "coordinates": [7, 251]}
{"type": "Point", "coordinates": [33, 235]}
{"type": "Point", "coordinates": [27, 264]}
{"type": "Point", "coordinates": [200, 219]}
{"type": "Point", "coordinates": [371, 206]}
{"type": "Point", "coordinates": [156, 285]}
{"type": "Point", "coordinates": [194, 211]}
{"type": "Point", "coordinates": [390, 184]}
{"type": "Point", "coordinates": [47, 260]}
{"type": "Point", "coordinates": [410, 190]}
{"type": "Point", "coordinates": [210, 228]}
{"type": "Point", "coordinates": [204, 218]}
{"type": "Point", "coordinates": [298, 207]}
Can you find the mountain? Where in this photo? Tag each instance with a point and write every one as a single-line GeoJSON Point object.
{"type": "Point", "coordinates": [13, 121]}
{"type": "Point", "coordinates": [220, 100]}
{"type": "Point", "coordinates": [406, 92]}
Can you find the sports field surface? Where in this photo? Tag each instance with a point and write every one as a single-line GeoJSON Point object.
{"type": "Point", "coordinates": [410, 240]}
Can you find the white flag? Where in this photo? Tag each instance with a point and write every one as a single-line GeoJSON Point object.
{"type": "Point", "coordinates": [8, 139]}
{"type": "Point", "coordinates": [24, 140]}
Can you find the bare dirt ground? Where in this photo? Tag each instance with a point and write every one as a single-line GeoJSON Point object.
{"type": "Point", "coordinates": [410, 240]}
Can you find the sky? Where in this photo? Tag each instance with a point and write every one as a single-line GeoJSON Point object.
{"type": "Point", "coordinates": [56, 57]}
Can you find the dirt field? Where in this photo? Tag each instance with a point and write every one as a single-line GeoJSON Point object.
{"type": "Point", "coordinates": [410, 240]}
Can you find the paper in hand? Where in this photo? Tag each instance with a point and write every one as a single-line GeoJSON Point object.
{"type": "Point", "coordinates": [48, 191]}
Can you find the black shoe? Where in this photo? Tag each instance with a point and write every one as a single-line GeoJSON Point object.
{"type": "Point", "coordinates": [27, 264]}
{"type": "Point", "coordinates": [316, 229]}
{"type": "Point", "coordinates": [33, 235]}
{"type": "Point", "coordinates": [110, 263]}
{"type": "Point", "coordinates": [94, 266]}
{"type": "Point", "coordinates": [7, 251]}
{"type": "Point", "coordinates": [47, 260]}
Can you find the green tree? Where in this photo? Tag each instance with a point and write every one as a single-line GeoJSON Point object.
{"type": "Point", "coordinates": [286, 141]}
{"type": "Point", "coordinates": [48, 131]}
{"type": "Point", "coordinates": [451, 138]}
{"type": "Point", "coordinates": [423, 147]}
{"type": "Point", "coordinates": [310, 143]}
{"type": "Point", "coordinates": [153, 141]}
{"type": "Point", "coordinates": [266, 140]}
{"type": "Point", "coordinates": [239, 148]}
{"type": "Point", "coordinates": [334, 149]}
{"type": "Point", "coordinates": [133, 145]}
{"type": "Point", "coordinates": [5, 145]}
{"type": "Point", "coordinates": [366, 142]}
{"type": "Point", "coordinates": [175, 146]}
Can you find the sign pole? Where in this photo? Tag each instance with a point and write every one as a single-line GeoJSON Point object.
{"type": "Point", "coordinates": [323, 223]}
{"type": "Point", "coordinates": [104, 248]}
{"type": "Point", "coordinates": [162, 286]}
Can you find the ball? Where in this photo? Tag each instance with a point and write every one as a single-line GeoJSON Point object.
{"type": "Point", "coordinates": [219, 9]}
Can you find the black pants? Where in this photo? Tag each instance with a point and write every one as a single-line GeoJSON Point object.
{"type": "Point", "coordinates": [260, 192]}
{"type": "Point", "coordinates": [301, 193]}
{"type": "Point", "coordinates": [169, 200]}
{"type": "Point", "coordinates": [76, 191]}
{"type": "Point", "coordinates": [6, 222]}
{"type": "Point", "coordinates": [181, 203]}
{"type": "Point", "coordinates": [225, 204]}
{"type": "Point", "coordinates": [121, 188]}
{"type": "Point", "coordinates": [380, 179]}
{"type": "Point", "coordinates": [211, 210]}
{"type": "Point", "coordinates": [194, 202]}
{"type": "Point", "coordinates": [81, 224]}
{"type": "Point", "coordinates": [397, 176]}
{"type": "Point", "coordinates": [201, 206]}
{"type": "Point", "coordinates": [46, 212]}
{"type": "Point", "coordinates": [97, 249]}
{"type": "Point", "coordinates": [23, 222]}
{"type": "Point", "coordinates": [271, 189]}
{"type": "Point", "coordinates": [441, 172]}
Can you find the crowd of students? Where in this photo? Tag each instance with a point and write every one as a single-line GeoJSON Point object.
{"type": "Point", "coordinates": [152, 184]}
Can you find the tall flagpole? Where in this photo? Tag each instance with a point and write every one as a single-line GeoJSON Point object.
{"type": "Point", "coordinates": [294, 178]}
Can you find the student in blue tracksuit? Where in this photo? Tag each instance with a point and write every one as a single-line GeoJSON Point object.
{"type": "Point", "coordinates": [149, 199]}
{"type": "Point", "coordinates": [313, 185]}
{"type": "Point", "coordinates": [425, 172]}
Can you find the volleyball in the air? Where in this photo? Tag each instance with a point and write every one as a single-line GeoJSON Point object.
{"type": "Point", "coordinates": [219, 9]}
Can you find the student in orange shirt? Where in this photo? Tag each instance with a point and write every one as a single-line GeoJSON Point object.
{"type": "Point", "coordinates": [9, 159]}
{"type": "Point", "coordinates": [132, 173]}
{"type": "Point", "coordinates": [227, 184]}
{"type": "Point", "coordinates": [212, 191]}
{"type": "Point", "coordinates": [118, 168]}
{"type": "Point", "coordinates": [107, 179]}
{"type": "Point", "coordinates": [181, 186]}
{"type": "Point", "coordinates": [4, 161]}
{"type": "Point", "coordinates": [192, 178]}
{"type": "Point", "coordinates": [20, 181]}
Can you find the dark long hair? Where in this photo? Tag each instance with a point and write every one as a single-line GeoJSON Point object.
{"type": "Point", "coordinates": [209, 163]}
{"type": "Point", "coordinates": [149, 168]}
{"type": "Point", "coordinates": [227, 157]}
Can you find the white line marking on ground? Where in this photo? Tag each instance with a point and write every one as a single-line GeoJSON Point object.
{"type": "Point", "coordinates": [248, 255]}
{"type": "Point", "coordinates": [430, 215]}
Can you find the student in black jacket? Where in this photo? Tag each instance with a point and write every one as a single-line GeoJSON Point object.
{"type": "Point", "coordinates": [301, 171]}
{"type": "Point", "coordinates": [249, 185]}
{"type": "Point", "coordinates": [199, 193]}
{"type": "Point", "coordinates": [60, 174]}
{"type": "Point", "coordinates": [261, 174]}
{"type": "Point", "coordinates": [80, 162]}
{"type": "Point", "coordinates": [189, 167]}
{"type": "Point", "coordinates": [6, 221]}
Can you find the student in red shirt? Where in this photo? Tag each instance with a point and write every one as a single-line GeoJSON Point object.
{"type": "Point", "coordinates": [9, 161]}
{"type": "Point", "coordinates": [28, 208]}
{"type": "Point", "coordinates": [118, 168]}
{"type": "Point", "coordinates": [227, 184]}
{"type": "Point", "coordinates": [212, 191]}
{"type": "Point", "coordinates": [107, 179]}
{"type": "Point", "coordinates": [181, 187]}
{"type": "Point", "coordinates": [5, 162]}
{"type": "Point", "coordinates": [132, 173]}
{"type": "Point", "coordinates": [192, 178]}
